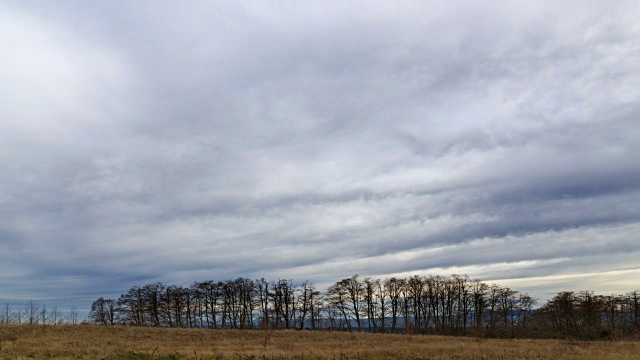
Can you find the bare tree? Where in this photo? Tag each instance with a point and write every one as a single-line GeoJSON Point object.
{"type": "Point", "coordinates": [264, 302]}
{"type": "Point", "coordinates": [73, 316]}
{"type": "Point", "coordinates": [103, 311]}
{"type": "Point", "coordinates": [371, 287]}
{"type": "Point", "coordinates": [283, 296]}
{"type": "Point", "coordinates": [43, 315]}
{"type": "Point", "coordinates": [55, 316]}
{"type": "Point", "coordinates": [393, 287]}
{"type": "Point", "coordinates": [507, 306]}
{"type": "Point", "coordinates": [633, 309]}
{"type": "Point", "coordinates": [7, 314]}
{"type": "Point", "coordinates": [306, 302]}
{"type": "Point", "coordinates": [493, 298]}
{"type": "Point", "coordinates": [31, 310]}
{"type": "Point", "coordinates": [337, 297]}
{"type": "Point", "coordinates": [355, 291]}
{"type": "Point", "coordinates": [383, 304]}
{"type": "Point", "coordinates": [478, 294]}
{"type": "Point", "coordinates": [522, 314]}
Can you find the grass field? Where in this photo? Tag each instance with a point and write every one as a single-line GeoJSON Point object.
{"type": "Point", "coordinates": [96, 342]}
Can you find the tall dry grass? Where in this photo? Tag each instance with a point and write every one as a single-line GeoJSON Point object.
{"type": "Point", "coordinates": [97, 342]}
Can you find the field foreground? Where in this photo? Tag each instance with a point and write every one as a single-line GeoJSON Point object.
{"type": "Point", "coordinates": [96, 342]}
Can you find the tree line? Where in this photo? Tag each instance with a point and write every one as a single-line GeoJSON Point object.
{"type": "Point", "coordinates": [439, 305]}
{"type": "Point", "coordinates": [34, 313]}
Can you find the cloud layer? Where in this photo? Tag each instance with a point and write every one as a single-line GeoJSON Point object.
{"type": "Point", "coordinates": [177, 142]}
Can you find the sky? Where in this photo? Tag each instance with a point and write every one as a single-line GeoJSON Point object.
{"type": "Point", "coordinates": [182, 141]}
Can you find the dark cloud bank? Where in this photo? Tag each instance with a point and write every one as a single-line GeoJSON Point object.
{"type": "Point", "coordinates": [166, 141]}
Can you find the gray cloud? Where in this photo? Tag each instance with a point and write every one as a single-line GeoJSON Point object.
{"type": "Point", "coordinates": [181, 142]}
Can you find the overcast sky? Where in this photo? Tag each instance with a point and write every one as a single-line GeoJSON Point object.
{"type": "Point", "coordinates": [145, 141]}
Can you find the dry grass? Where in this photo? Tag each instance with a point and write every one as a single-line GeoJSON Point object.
{"type": "Point", "coordinates": [96, 342]}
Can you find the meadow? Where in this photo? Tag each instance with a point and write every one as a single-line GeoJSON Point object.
{"type": "Point", "coordinates": [102, 342]}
